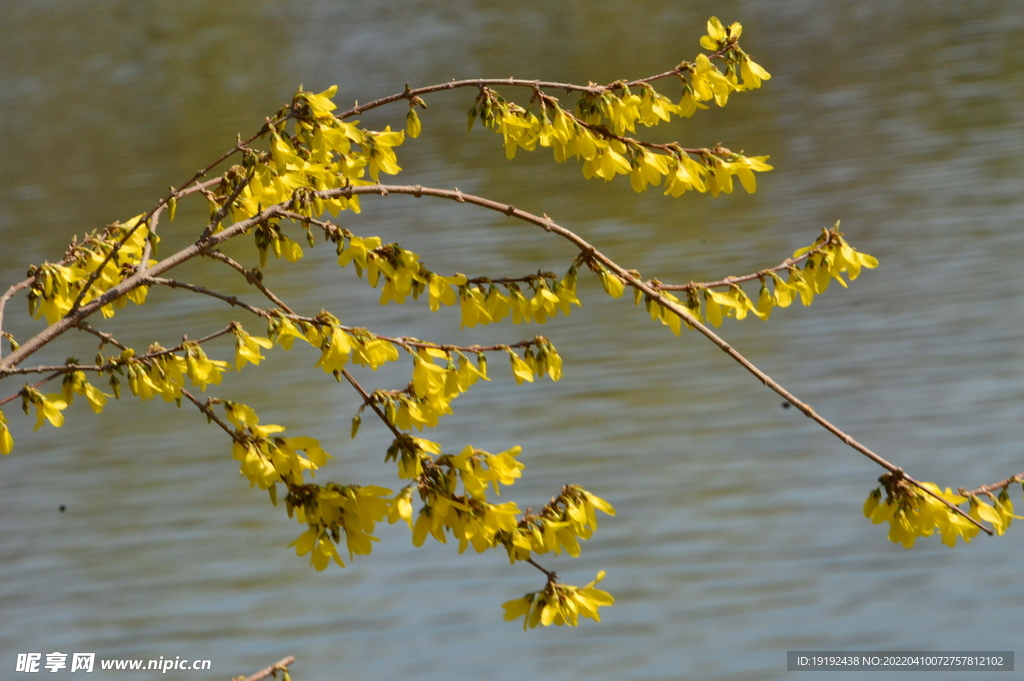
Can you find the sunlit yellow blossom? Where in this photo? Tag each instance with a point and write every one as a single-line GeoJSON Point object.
{"type": "Point", "coordinates": [707, 82]}
{"type": "Point", "coordinates": [443, 290]}
{"type": "Point", "coordinates": [744, 167]}
{"type": "Point", "coordinates": [6, 440]}
{"type": "Point", "coordinates": [797, 283]}
{"type": "Point", "coordinates": [321, 104]}
{"type": "Point", "coordinates": [372, 352]}
{"type": "Point", "coordinates": [983, 512]}
{"type": "Point", "coordinates": [753, 73]}
{"type": "Point", "coordinates": [400, 507]}
{"type": "Point", "coordinates": [247, 348]}
{"type": "Point", "coordinates": [75, 383]}
{"type": "Point", "coordinates": [520, 369]}
{"type": "Point", "coordinates": [606, 164]}
{"type": "Point", "coordinates": [715, 36]}
{"type": "Point", "coordinates": [202, 370]}
{"type": "Point", "coordinates": [334, 354]}
{"type": "Point", "coordinates": [283, 331]}
{"type": "Point", "coordinates": [48, 408]}
{"type": "Point", "coordinates": [612, 285]}
{"type": "Point", "coordinates": [378, 147]}
{"type": "Point", "coordinates": [413, 127]}
{"type": "Point", "coordinates": [647, 169]}
{"type": "Point", "coordinates": [655, 108]}
{"type": "Point", "coordinates": [240, 414]}
{"type": "Point", "coordinates": [623, 112]}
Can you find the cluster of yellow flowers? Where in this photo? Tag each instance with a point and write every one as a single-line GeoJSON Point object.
{"type": "Point", "coordinates": [266, 459]}
{"type": "Point", "coordinates": [481, 301]}
{"type": "Point", "coordinates": [568, 516]}
{"type": "Point", "coordinates": [472, 519]}
{"type": "Point", "coordinates": [429, 395]}
{"type": "Point", "coordinates": [322, 153]}
{"type": "Point", "coordinates": [549, 296]}
{"type": "Point", "coordinates": [475, 522]}
{"type": "Point", "coordinates": [163, 373]}
{"type": "Point", "coordinates": [56, 286]}
{"type": "Point", "coordinates": [605, 154]}
{"type": "Point", "coordinates": [832, 258]}
{"type": "Point", "coordinates": [500, 468]}
{"type": "Point", "coordinates": [331, 510]}
{"type": "Point", "coordinates": [403, 274]}
{"type": "Point", "coordinates": [559, 604]}
{"type": "Point", "coordinates": [913, 513]}
{"type": "Point", "coordinates": [723, 40]}
{"type": "Point", "coordinates": [594, 133]}
{"type": "Point", "coordinates": [432, 389]}
{"type": "Point", "coordinates": [270, 239]}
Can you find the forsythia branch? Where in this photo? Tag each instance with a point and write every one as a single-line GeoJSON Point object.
{"type": "Point", "coordinates": [280, 665]}
{"type": "Point", "coordinates": [591, 252]}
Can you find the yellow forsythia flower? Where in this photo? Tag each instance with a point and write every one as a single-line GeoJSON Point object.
{"type": "Point", "coordinates": [612, 285]}
{"type": "Point", "coordinates": [520, 369]}
{"type": "Point", "coordinates": [49, 408]}
{"type": "Point", "coordinates": [6, 441]}
{"type": "Point", "coordinates": [321, 104]}
{"type": "Point", "coordinates": [412, 123]}
{"type": "Point", "coordinates": [247, 348]}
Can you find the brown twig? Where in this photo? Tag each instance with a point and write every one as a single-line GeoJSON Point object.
{"type": "Point", "coordinates": [147, 250]}
{"type": "Point", "coordinates": [23, 284]}
{"type": "Point", "coordinates": [368, 401]}
{"type": "Point", "coordinates": [411, 93]}
{"type": "Point", "coordinates": [105, 337]}
{"type": "Point", "coordinates": [589, 251]}
{"type": "Point", "coordinates": [729, 281]}
{"type": "Point", "coordinates": [604, 132]}
{"type": "Point", "coordinates": [280, 665]}
{"type": "Point", "coordinates": [405, 342]}
{"type": "Point", "coordinates": [526, 279]}
{"type": "Point", "coordinates": [37, 384]}
{"type": "Point", "coordinates": [249, 277]}
{"type": "Point", "coordinates": [230, 300]}
{"type": "Point", "coordinates": [986, 489]}
{"type": "Point", "coordinates": [552, 576]}
{"type": "Point", "coordinates": [223, 211]}
{"type": "Point", "coordinates": [210, 414]}
{"type": "Point", "coordinates": [330, 228]}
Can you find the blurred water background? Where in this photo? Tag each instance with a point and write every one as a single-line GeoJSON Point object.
{"type": "Point", "coordinates": [739, 534]}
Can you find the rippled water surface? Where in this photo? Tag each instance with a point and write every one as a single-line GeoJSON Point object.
{"type": "Point", "coordinates": [739, 534]}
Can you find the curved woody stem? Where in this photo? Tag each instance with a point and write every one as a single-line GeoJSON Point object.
{"type": "Point", "coordinates": [591, 252]}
